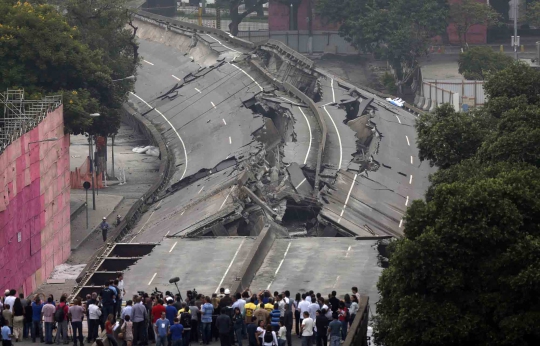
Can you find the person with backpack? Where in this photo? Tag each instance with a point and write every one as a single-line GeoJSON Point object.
{"type": "Point", "coordinates": [269, 336]}
{"type": "Point", "coordinates": [185, 320]}
{"type": "Point", "coordinates": [61, 319]}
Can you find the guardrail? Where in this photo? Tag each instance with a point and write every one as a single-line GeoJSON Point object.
{"type": "Point", "coordinates": [196, 28]}
{"type": "Point", "coordinates": [357, 335]}
{"type": "Point", "coordinates": [289, 51]}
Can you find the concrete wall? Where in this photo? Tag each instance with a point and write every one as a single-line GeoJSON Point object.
{"type": "Point", "coordinates": [34, 203]}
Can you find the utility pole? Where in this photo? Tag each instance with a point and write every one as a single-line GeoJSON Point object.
{"type": "Point", "coordinates": [310, 20]}
{"type": "Point", "coordinates": [515, 40]}
{"type": "Point", "coordinates": [112, 150]}
{"type": "Point", "coordinates": [91, 162]}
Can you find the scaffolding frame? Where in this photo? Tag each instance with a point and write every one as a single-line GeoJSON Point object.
{"type": "Point", "coordinates": [20, 115]}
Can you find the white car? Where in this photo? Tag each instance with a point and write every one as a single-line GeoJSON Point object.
{"type": "Point", "coordinates": [396, 102]}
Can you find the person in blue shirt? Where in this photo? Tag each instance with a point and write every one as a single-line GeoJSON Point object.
{"type": "Point", "coordinates": [37, 325]}
{"type": "Point", "coordinates": [162, 326]}
{"type": "Point", "coordinates": [206, 311]}
{"type": "Point", "coordinates": [6, 335]}
{"type": "Point", "coordinates": [176, 332]}
{"type": "Point", "coordinates": [274, 318]}
{"type": "Point", "coordinates": [170, 313]}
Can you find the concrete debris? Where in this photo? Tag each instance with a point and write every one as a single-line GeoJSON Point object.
{"type": "Point", "coordinates": [67, 271]}
{"type": "Point", "coordinates": [148, 150]}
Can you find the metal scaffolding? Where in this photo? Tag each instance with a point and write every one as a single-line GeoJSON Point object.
{"type": "Point", "coordinates": [20, 116]}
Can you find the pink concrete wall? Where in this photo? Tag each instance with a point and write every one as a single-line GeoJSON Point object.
{"type": "Point", "coordinates": [278, 20]}
{"type": "Point", "coordinates": [34, 200]}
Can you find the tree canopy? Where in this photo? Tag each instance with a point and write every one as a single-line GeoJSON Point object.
{"type": "Point", "coordinates": [476, 62]}
{"type": "Point", "coordinates": [467, 271]}
{"type": "Point", "coordinates": [466, 13]}
{"type": "Point", "coordinates": [43, 53]}
{"type": "Point", "coordinates": [398, 30]}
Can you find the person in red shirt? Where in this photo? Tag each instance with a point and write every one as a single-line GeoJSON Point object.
{"type": "Point", "coordinates": [342, 316]}
{"type": "Point", "coordinates": [157, 310]}
{"type": "Point", "coordinates": [109, 330]}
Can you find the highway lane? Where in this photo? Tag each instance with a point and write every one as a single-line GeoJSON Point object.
{"type": "Point", "coordinates": [374, 201]}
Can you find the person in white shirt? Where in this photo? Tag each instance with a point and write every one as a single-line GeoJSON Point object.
{"type": "Point", "coordinates": [281, 305]}
{"type": "Point", "coordinates": [307, 329]}
{"type": "Point", "coordinates": [312, 309]}
{"type": "Point", "coordinates": [93, 320]}
{"type": "Point", "coordinates": [11, 299]}
{"type": "Point", "coordinates": [269, 337]}
{"type": "Point", "coordinates": [282, 333]}
{"type": "Point", "coordinates": [303, 306]}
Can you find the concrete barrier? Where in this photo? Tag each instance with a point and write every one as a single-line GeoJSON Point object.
{"type": "Point", "coordinates": [322, 125]}
{"type": "Point", "coordinates": [427, 105]}
{"type": "Point", "coordinates": [255, 258]}
{"type": "Point", "coordinates": [357, 335]}
{"type": "Point", "coordinates": [421, 101]}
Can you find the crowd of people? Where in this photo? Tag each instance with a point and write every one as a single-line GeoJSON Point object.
{"type": "Point", "coordinates": [243, 319]}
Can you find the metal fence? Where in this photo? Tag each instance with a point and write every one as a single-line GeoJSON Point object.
{"type": "Point", "coordinates": [323, 41]}
{"type": "Point", "coordinates": [462, 94]}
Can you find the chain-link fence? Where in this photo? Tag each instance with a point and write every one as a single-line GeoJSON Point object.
{"type": "Point", "coordinates": [208, 18]}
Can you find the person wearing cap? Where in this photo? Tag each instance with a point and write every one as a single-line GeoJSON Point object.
{"type": "Point", "coordinates": [226, 301]}
{"type": "Point", "coordinates": [104, 226]}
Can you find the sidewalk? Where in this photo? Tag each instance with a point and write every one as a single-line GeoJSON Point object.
{"type": "Point", "coordinates": [141, 172]}
{"type": "Point", "coordinates": [105, 207]}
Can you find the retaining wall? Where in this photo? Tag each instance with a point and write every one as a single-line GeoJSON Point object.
{"type": "Point", "coordinates": [35, 233]}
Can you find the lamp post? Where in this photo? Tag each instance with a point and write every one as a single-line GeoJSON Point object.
{"type": "Point", "coordinates": [91, 159]}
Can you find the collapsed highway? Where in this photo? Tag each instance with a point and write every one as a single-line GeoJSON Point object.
{"type": "Point", "coordinates": [271, 157]}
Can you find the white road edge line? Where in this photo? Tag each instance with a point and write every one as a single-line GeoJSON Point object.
{"type": "Point", "coordinates": [247, 74]}
{"type": "Point", "coordinates": [339, 138]}
{"type": "Point", "coordinates": [407, 201]}
{"type": "Point", "coordinates": [279, 266]}
{"type": "Point", "coordinates": [408, 143]}
{"type": "Point", "coordinates": [172, 127]}
{"type": "Point", "coordinates": [234, 50]}
{"type": "Point", "coordinates": [226, 198]}
{"type": "Point", "coordinates": [230, 264]}
{"type": "Point", "coordinates": [348, 196]}
{"type": "Point", "coordinates": [142, 228]}
{"type": "Point", "coordinates": [173, 247]}
{"type": "Point", "coordinates": [410, 179]}
{"type": "Point", "coordinates": [333, 93]}
{"type": "Point", "coordinates": [152, 279]}
{"type": "Point", "coordinates": [300, 184]}
{"type": "Point", "coordinates": [398, 118]}
{"type": "Point", "coordinates": [310, 135]}
{"type": "Point", "coordinates": [148, 62]}
{"type": "Point", "coordinates": [176, 77]}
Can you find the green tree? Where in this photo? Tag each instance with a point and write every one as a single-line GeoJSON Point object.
{"type": "Point", "coordinates": [467, 272]}
{"type": "Point", "coordinates": [446, 137]}
{"type": "Point", "coordinates": [466, 13]}
{"type": "Point", "coordinates": [106, 26]}
{"type": "Point", "coordinates": [515, 81]}
{"type": "Point", "coordinates": [42, 54]}
{"type": "Point", "coordinates": [533, 13]}
{"type": "Point", "coordinates": [399, 30]}
{"type": "Point", "coordinates": [475, 63]}
{"type": "Point", "coordinates": [250, 6]}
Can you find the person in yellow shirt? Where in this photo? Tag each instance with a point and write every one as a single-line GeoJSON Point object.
{"type": "Point", "coordinates": [249, 309]}
{"type": "Point", "coordinates": [270, 305]}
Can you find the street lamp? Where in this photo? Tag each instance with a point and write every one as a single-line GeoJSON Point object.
{"type": "Point", "coordinates": [91, 158]}
{"type": "Point", "coordinates": [129, 77]}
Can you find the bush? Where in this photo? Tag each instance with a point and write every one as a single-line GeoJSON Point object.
{"type": "Point", "coordinates": [389, 83]}
{"type": "Point", "coordinates": [476, 62]}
